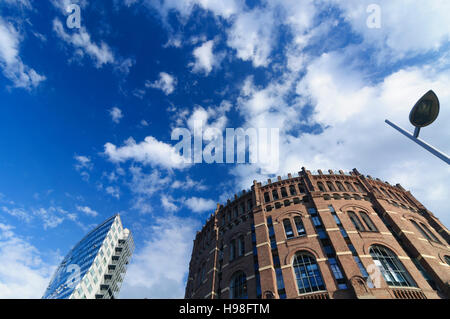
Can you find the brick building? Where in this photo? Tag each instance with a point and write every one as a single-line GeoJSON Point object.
{"type": "Point", "coordinates": [321, 236]}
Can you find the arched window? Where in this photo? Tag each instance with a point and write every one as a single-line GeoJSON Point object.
{"type": "Point", "coordinates": [284, 192]}
{"type": "Point", "coordinates": [238, 286]}
{"type": "Point", "coordinates": [266, 197]}
{"type": "Point", "coordinates": [384, 192]}
{"type": "Point", "coordinates": [447, 259]}
{"type": "Point", "coordinates": [390, 267]}
{"type": "Point", "coordinates": [336, 196]}
{"type": "Point", "coordinates": [232, 250]}
{"type": "Point", "coordinates": [340, 186]}
{"type": "Point", "coordinates": [349, 187]}
{"type": "Point", "coordinates": [299, 225]}
{"type": "Point", "coordinates": [376, 190]}
{"type": "Point", "coordinates": [392, 195]}
{"type": "Point", "coordinates": [421, 231]}
{"type": "Point", "coordinates": [301, 189]}
{"type": "Point", "coordinates": [275, 194]}
{"type": "Point", "coordinates": [331, 187]}
{"type": "Point", "coordinates": [430, 233]}
{"type": "Point", "coordinates": [241, 246]}
{"type": "Point", "coordinates": [425, 232]}
{"type": "Point", "coordinates": [359, 187]}
{"type": "Point", "coordinates": [292, 190]}
{"type": "Point", "coordinates": [347, 197]}
{"type": "Point", "coordinates": [288, 228]}
{"type": "Point", "coordinates": [307, 273]}
{"type": "Point", "coordinates": [356, 222]}
{"type": "Point", "coordinates": [368, 221]}
{"type": "Point", "coordinates": [321, 187]}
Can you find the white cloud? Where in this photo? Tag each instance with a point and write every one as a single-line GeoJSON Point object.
{"type": "Point", "coordinates": [88, 211]}
{"type": "Point", "coordinates": [101, 54]}
{"type": "Point", "coordinates": [51, 217]}
{"type": "Point", "coordinates": [11, 64]}
{"type": "Point", "coordinates": [149, 152]}
{"type": "Point", "coordinates": [19, 213]}
{"type": "Point", "coordinates": [251, 35]}
{"type": "Point", "coordinates": [158, 269]}
{"type": "Point", "coordinates": [113, 191]}
{"type": "Point", "coordinates": [407, 26]}
{"type": "Point", "coordinates": [23, 273]}
{"type": "Point", "coordinates": [146, 184]}
{"type": "Point", "coordinates": [185, 7]}
{"type": "Point", "coordinates": [125, 66]}
{"type": "Point", "coordinates": [168, 203]}
{"type": "Point", "coordinates": [83, 162]}
{"type": "Point", "coordinates": [189, 183]}
{"type": "Point", "coordinates": [205, 59]}
{"type": "Point", "coordinates": [22, 3]}
{"type": "Point", "coordinates": [200, 205]}
{"type": "Point", "coordinates": [166, 83]}
{"type": "Point", "coordinates": [116, 114]}
{"type": "Point", "coordinates": [64, 4]}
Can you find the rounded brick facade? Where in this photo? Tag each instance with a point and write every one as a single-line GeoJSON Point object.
{"type": "Point", "coordinates": [321, 236]}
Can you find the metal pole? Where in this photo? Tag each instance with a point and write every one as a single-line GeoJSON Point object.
{"type": "Point", "coordinates": [426, 146]}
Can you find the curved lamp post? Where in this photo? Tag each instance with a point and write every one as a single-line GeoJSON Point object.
{"type": "Point", "coordinates": [424, 113]}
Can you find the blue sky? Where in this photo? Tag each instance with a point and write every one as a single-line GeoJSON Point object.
{"type": "Point", "coordinates": [86, 115]}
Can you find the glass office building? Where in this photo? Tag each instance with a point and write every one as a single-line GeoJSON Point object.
{"type": "Point", "coordinates": [95, 267]}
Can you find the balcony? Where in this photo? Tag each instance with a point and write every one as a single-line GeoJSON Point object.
{"type": "Point", "coordinates": [104, 287]}
{"type": "Point", "coordinates": [315, 295]}
{"type": "Point", "coordinates": [404, 293]}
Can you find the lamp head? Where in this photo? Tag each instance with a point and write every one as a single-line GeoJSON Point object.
{"type": "Point", "coordinates": [425, 111]}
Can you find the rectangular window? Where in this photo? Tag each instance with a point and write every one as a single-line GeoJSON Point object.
{"type": "Point", "coordinates": [288, 228]}
{"type": "Point", "coordinates": [316, 221]}
{"type": "Point", "coordinates": [300, 227]}
{"type": "Point", "coordinates": [249, 205]}
{"type": "Point", "coordinates": [232, 250]}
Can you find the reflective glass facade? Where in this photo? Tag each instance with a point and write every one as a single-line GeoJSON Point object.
{"type": "Point", "coordinates": [91, 254]}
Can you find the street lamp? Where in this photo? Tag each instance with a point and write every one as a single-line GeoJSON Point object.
{"type": "Point", "coordinates": [424, 113]}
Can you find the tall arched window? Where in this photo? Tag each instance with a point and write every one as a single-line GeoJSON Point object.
{"type": "Point", "coordinates": [331, 187]}
{"type": "Point", "coordinates": [275, 194]}
{"type": "Point", "coordinates": [292, 190]}
{"type": "Point", "coordinates": [284, 192]}
{"type": "Point", "coordinates": [356, 222]}
{"type": "Point", "coordinates": [340, 186]}
{"type": "Point", "coordinates": [321, 187]}
{"type": "Point", "coordinates": [390, 267]}
{"type": "Point", "coordinates": [307, 273]}
{"type": "Point", "coordinates": [232, 250]}
{"type": "Point", "coordinates": [384, 192]}
{"type": "Point", "coordinates": [241, 246]}
{"type": "Point", "coordinates": [368, 221]}
{"type": "Point", "coordinates": [430, 233]}
{"type": "Point", "coordinates": [238, 286]}
{"type": "Point", "coordinates": [288, 228]}
{"type": "Point", "coordinates": [301, 188]}
{"type": "Point", "coordinates": [421, 231]}
{"type": "Point", "coordinates": [447, 259]}
{"type": "Point", "coordinates": [359, 187]}
{"type": "Point", "coordinates": [349, 187]}
{"type": "Point", "coordinates": [299, 225]}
